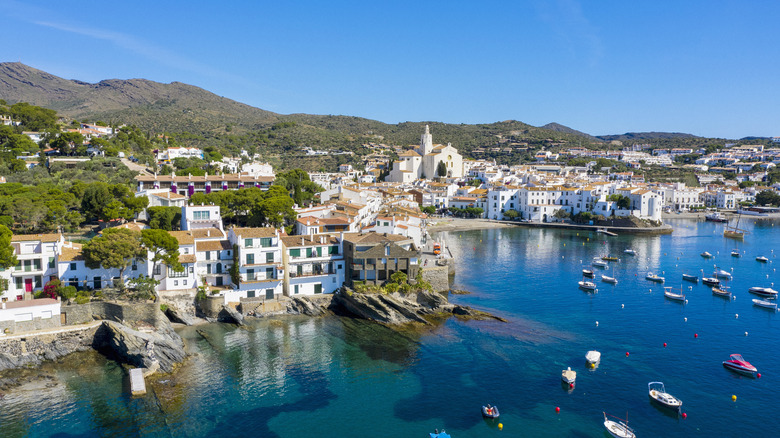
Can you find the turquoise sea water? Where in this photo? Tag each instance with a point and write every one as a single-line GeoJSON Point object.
{"type": "Point", "coordinates": [335, 377]}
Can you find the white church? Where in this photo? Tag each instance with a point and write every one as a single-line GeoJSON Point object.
{"type": "Point", "coordinates": [424, 161]}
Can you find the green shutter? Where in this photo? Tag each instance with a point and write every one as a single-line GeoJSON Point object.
{"type": "Point", "coordinates": [319, 251]}
{"type": "Point", "coordinates": [333, 250]}
{"type": "Point", "coordinates": [247, 243]}
{"type": "Point", "coordinates": [308, 252]}
{"type": "Point", "coordinates": [265, 242]}
{"type": "Point", "coordinates": [295, 252]}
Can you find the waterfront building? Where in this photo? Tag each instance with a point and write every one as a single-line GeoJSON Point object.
{"type": "Point", "coordinates": [260, 270]}
{"type": "Point", "coordinates": [313, 264]}
{"type": "Point", "coordinates": [372, 258]}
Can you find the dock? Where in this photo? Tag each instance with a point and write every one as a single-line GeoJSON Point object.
{"type": "Point", "coordinates": [137, 383]}
{"type": "Point", "coordinates": [605, 231]}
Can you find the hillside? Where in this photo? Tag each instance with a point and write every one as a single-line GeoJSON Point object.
{"type": "Point", "coordinates": [634, 136]}
{"type": "Point", "coordinates": [566, 130]}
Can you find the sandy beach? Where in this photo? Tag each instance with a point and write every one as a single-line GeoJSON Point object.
{"type": "Point", "coordinates": [458, 224]}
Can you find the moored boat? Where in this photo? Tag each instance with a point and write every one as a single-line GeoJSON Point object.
{"type": "Point", "coordinates": [441, 434]}
{"type": "Point", "coordinates": [599, 263]}
{"type": "Point", "coordinates": [608, 279]}
{"type": "Point", "coordinates": [587, 285]}
{"type": "Point", "coordinates": [721, 292]}
{"type": "Point", "coordinates": [490, 411]}
{"type": "Point", "coordinates": [588, 273]}
{"type": "Point", "coordinates": [738, 364]}
{"type": "Point", "coordinates": [691, 278]}
{"type": "Point", "coordinates": [766, 292]}
{"type": "Point", "coordinates": [568, 376]}
{"type": "Point", "coordinates": [736, 253]}
{"type": "Point", "coordinates": [715, 217]}
{"type": "Point", "coordinates": [765, 304]}
{"type": "Point", "coordinates": [734, 232]}
{"type": "Point", "coordinates": [609, 258]}
{"type": "Point", "coordinates": [653, 277]}
{"type": "Point", "coordinates": [706, 255]}
{"type": "Point", "coordinates": [618, 428]}
{"type": "Point", "coordinates": [672, 295]}
{"type": "Point", "coordinates": [629, 251]}
{"type": "Point", "coordinates": [592, 356]}
{"type": "Point", "coordinates": [762, 259]}
{"type": "Point", "coordinates": [710, 281]}
{"type": "Point", "coordinates": [658, 393]}
{"type": "Point", "coordinates": [720, 273]}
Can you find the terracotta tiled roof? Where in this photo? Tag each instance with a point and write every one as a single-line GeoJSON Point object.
{"type": "Point", "coordinates": [301, 241]}
{"type": "Point", "coordinates": [184, 237]}
{"type": "Point", "coordinates": [187, 258]}
{"type": "Point", "coordinates": [212, 245]}
{"type": "Point", "coordinates": [36, 237]}
{"type": "Point", "coordinates": [71, 254]}
{"type": "Point", "coordinates": [373, 238]}
{"type": "Point", "coordinates": [249, 233]}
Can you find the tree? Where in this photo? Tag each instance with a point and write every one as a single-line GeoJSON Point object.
{"type": "Point", "coordinates": [511, 214]}
{"type": "Point", "coordinates": [117, 248]}
{"type": "Point", "coordinates": [165, 218]}
{"type": "Point", "coordinates": [164, 248]}
{"type": "Point", "coordinates": [96, 198]}
{"type": "Point", "coordinates": [428, 210]}
{"type": "Point", "coordinates": [7, 257]}
{"type": "Point", "coordinates": [68, 143]}
{"type": "Point", "coordinates": [768, 197]}
{"type": "Point", "coordinates": [441, 169]}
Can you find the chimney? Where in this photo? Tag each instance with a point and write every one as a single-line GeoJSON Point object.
{"type": "Point", "coordinates": [208, 233]}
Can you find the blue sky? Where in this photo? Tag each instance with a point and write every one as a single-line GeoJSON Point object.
{"type": "Point", "coordinates": [709, 68]}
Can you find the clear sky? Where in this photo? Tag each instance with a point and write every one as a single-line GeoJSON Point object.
{"type": "Point", "coordinates": [709, 68]}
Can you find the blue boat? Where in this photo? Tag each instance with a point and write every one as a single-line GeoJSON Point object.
{"type": "Point", "coordinates": [441, 434]}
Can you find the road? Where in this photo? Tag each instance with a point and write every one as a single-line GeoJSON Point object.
{"type": "Point", "coordinates": [135, 166]}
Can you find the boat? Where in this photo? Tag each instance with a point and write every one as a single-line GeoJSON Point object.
{"type": "Point", "coordinates": [706, 255]}
{"type": "Point", "coordinates": [607, 279]}
{"type": "Point", "coordinates": [653, 277]}
{"type": "Point", "coordinates": [599, 263]}
{"type": "Point", "coordinates": [568, 376]}
{"type": "Point", "coordinates": [629, 251]}
{"type": "Point", "coordinates": [587, 285]}
{"type": "Point", "coordinates": [715, 217]}
{"type": "Point", "coordinates": [736, 253]}
{"type": "Point", "coordinates": [490, 411]}
{"type": "Point", "coordinates": [710, 281]}
{"type": "Point", "coordinates": [441, 434]}
{"type": "Point", "coordinates": [766, 292]}
{"type": "Point", "coordinates": [669, 293]}
{"type": "Point", "coordinates": [765, 304]}
{"type": "Point", "coordinates": [720, 273]}
{"type": "Point", "coordinates": [609, 258]}
{"type": "Point", "coordinates": [738, 364]}
{"type": "Point", "coordinates": [762, 259]}
{"type": "Point", "coordinates": [593, 357]}
{"type": "Point", "coordinates": [658, 394]}
{"type": "Point", "coordinates": [588, 273]}
{"type": "Point", "coordinates": [721, 292]}
{"type": "Point", "coordinates": [618, 428]}
{"type": "Point", "coordinates": [691, 278]}
{"type": "Point", "coordinates": [734, 232]}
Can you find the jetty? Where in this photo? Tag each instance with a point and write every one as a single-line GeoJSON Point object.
{"type": "Point", "coordinates": [137, 383]}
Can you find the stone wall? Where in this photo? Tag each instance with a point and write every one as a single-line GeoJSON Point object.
{"type": "Point", "coordinates": [133, 314]}
{"type": "Point", "coordinates": [183, 301]}
{"type": "Point", "coordinates": [259, 306]}
{"type": "Point", "coordinates": [31, 350]}
{"type": "Point", "coordinates": [11, 327]}
{"type": "Point", "coordinates": [211, 306]}
{"type": "Point", "coordinates": [438, 277]}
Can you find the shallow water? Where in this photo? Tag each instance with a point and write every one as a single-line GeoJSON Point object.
{"type": "Point", "coordinates": [336, 377]}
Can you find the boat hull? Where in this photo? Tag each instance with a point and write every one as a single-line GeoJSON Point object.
{"type": "Point", "coordinates": [691, 278]}
{"type": "Point", "coordinates": [491, 415]}
{"type": "Point", "coordinates": [739, 369]}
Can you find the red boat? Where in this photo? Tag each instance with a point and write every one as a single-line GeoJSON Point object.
{"type": "Point", "coordinates": [738, 364]}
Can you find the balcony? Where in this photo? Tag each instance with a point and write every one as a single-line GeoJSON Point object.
{"type": "Point", "coordinates": [257, 277]}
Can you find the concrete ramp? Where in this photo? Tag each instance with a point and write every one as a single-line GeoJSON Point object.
{"type": "Point", "coordinates": [137, 383]}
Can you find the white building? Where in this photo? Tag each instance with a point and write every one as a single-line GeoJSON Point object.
{"type": "Point", "coordinates": [260, 270]}
{"type": "Point", "coordinates": [423, 162]}
{"type": "Point", "coordinates": [312, 264]}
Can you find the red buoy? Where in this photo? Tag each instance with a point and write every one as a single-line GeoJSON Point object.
{"type": "Point", "coordinates": [571, 385]}
{"type": "Point", "coordinates": [695, 335]}
{"type": "Point", "coordinates": [684, 415]}
{"type": "Point", "coordinates": [758, 375]}
{"type": "Point", "coordinates": [557, 409]}
{"type": "Point", "coordinates": [626, 353]}
{"type": "Point", "coordinates": [664, 344]}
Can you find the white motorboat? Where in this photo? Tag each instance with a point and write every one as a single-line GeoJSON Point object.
{"type": "Point", "coordinates": [710, 281]}
{"type": "Point", "coordinates": [629, 251]}
{"type": "Point", "coordinates": [568, 375]}
{"type": "Point", "coordinates": [618, 428]}
{"type": "Point", "coordinates": [766, 292]}
{"type": "Point", "coordinates": [653, 277]}
{"type": "Point", "coordinates": [736, 253]}
{"type": "Point", "coordinates": [762, 259]}
{"type": "Point", "coordinates": [593, 357]}
{"type": "Point", "coordinates": [658, 393]}
{"type": "Point", "coordinates": [672, 295]}
{"type": "Point", "coordinates": [588, 273]}
{"type": "Point", "coordinates": [706, 255]}
{"type": "Point", "coordinates": [715, 217]}
{"type": "Point", "coordinates": [599, 263]}
{"type": "Point", "coordinates": [587, 285]}
{"type": "Point", "coordinates": [765, 304]}
{"type": "Point", "coordinates": [607, 279]}
{"type": "Point", "coordinates": [720, 273]}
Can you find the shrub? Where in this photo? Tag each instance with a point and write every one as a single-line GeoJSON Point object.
{"type": "Point", "coordinates": [164, 307]}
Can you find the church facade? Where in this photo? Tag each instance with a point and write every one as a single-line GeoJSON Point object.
{"type": "Point", "coordinates": [423, 162]}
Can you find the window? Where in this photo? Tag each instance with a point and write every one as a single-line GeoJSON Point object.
{"type": "Point", "coordinates": [200, 215]}
{"type": "Point", "coordinates": [295, 253]}
{"type": "Point", "coordinates": [208, 268]}
{"type": "Point", "coordinates": [18, 282]}
{"type": "Point", "coordinates": [208, 255]}
{"type": "Point", "coordinates": [247, 243]}
{"type": "Point", "coordinates": [157, 270]}
{"type": "Point", "coordinates": [38, 281]}
{"type": "Point", "coordinates": [250, 275]}
{"type": "Point", "coordinates": [72, 266]}
{"type": "Point", "coordinates": [265, 242]}
{"type": "Point", "coordinates": [51, 262]}
{"type": "Point", "coordinates": [318, 288]}
{"type": "Point", "coordinates": [269, 273]}
{"type": "Point", "coordinates": [308, 252]}
{"type": "Point", "coordinates": [175, 282]}
{"type": "Point", "coordinates": [269, 294]}
{"type": "Point", "coordinates": [333, 250]}
{"type": "Point", "coordinates": [184, 282]}
{"type": "Point", "coordinates": [250, 259]}
{"type": "Point", "coordinates": [192, 269]}
{"type": "Point", "coordinates": [269, 257]}
{"type": "Point", "coordinates": [37, 264]}
{"type": "Point", "coordinates": [296, 289]}
{"type": "Point", "coordinates": [135, 267]}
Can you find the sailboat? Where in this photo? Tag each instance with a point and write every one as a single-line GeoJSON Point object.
{"type": "Point", "coordinates": [734, 232]}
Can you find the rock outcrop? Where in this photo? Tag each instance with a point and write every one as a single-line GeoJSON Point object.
{"type": "Point", "coordinates": [230, 315]}
{"type": "Point", "coordinates": [175, 315]}
{"type": "Point", "coordinates": [161, 348]}
{"type": "Point", "coordinates": [305, 306]}
{"type": "Point", "coordinates": [31, 351]}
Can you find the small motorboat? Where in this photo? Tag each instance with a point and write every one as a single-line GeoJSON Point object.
{"type": "Point", "coordinates": [593, 357]}
{"type": "Point", "coordinates": [653, 277]}
{"type": "Point", "coordinates": [658, 394]}
{"type": "Point", "coordinates": [738, 364]}
{"type": "Point", "coordinates": [609, 258]}
{"type": "Point", "coordinates": [765, 304]}
{"type": "Point", "coordinates": [490, 411]}
{"type": "Point", "coordinates": [629, 251]}
{"type": "Point", "coordinates": [672, 295]}
{"type": "Point", "coordinates": [720, 273]}
{"type": "Point", "coordinates": [706, 255]}
{"type": "Point", "coordinates": [721, 292]}
{"type": "Point", "coordinates": [588, 273]}
{"type": "Point", "coordinates": [762, 259]}
{"type": "Point", "coordinates": [710, 281]}
{"type": "Point", "coordinates": [618, 428]}
{"type": "Point", "coordinates": [691, 278]}
{"type": "Point", "coordinates": [587, 285]}
{"type": "Point", "coordinates": [766, 292]}
{"type": "Point", "coordinates": [736, 253]}
{"type": "Point", "coordinates": [715, 217]}
{"type": "Point", "coordinates": [568, 376]}
{"type": "Point", "coordinates": [441, 434]}
{"type": "Point", "coordinates": [607, 279]}
{"type": "Point", "coordinates": [599, 263]}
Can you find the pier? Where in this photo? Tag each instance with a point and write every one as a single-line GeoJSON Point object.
{"type": "Point", "coordinates": [137, 383]}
